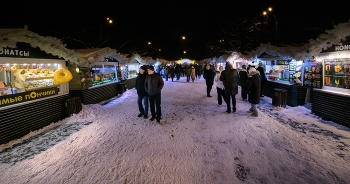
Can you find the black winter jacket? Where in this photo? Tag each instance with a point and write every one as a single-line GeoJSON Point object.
{"type": "Point", "coordinates": [254, 87]}
{"type": "Point", "coordinates": [243, 77]}
{"type": "Point", "coordinates": [140, 84]}
{"type": "Point", "coordinates": [230, 79]}
{"type": "Point", "coordinates": [209, 76]}
{"type": "Point", "coordinates": [154, 84]}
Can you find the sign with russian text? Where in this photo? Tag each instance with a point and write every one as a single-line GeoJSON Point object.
{"type": "Point", "coordinates": [27, 96]}
{"type": "Point", "coordinates": [24, 50]}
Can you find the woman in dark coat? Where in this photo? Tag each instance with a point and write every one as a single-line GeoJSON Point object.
{"type": "Point", "coordinates": [254, 87]}
{"type": "Point", "coordinates": [209, 76]}
{"type": "Point", "coordinates": [243, 78]}
{"type": "Point", "coordinates": [188, 73]}
{"type": "Point", "coordinates": [230, 79]}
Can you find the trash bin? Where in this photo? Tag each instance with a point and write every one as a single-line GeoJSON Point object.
{"type": "Point", "coordinates": [121, 87]}
{"type": "Point", "coordinates": [72, 106]}
{"type": "Point", "coordinates": [279, 98]}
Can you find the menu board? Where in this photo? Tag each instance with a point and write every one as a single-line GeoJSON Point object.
{"type": "Point", "coordinates": [337, 73]}
{"type": "Point", "coordinates": [313, 74]}
{"type": "Point", "coordinates": [295, 72]}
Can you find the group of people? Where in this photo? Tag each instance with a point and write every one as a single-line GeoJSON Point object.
{"type": "Point", "coordinates": [228, 80]}
{"type": "Point", "coordinates": [190, 71]}
{"type": "Point", "coordinates": [149, 85]}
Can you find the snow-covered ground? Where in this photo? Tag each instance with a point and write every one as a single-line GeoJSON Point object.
{"type": "Point", "coordinates": [196, 143]}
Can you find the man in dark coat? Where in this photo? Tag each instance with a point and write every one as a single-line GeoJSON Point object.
{"type": "Point", "coordinates": [153, 85]}
{"type": "Point", "coordinates": [230, 79]}
{"type": "Point", "coordinates": [209, 76]}
{"type": "Point", "coordinates": [263, 77]}
{"type": "Point", "coordinates": [172, 72]}
{"type": "Point", "coordinates": [243, 78]}
{"type": "Point", "coordinates": [141, 92]}
{"type": "Point", "coordinates": [166, 72]}
{"type": "Point", "coordinates": [254, 86]}
{"type": "Point", "coordinates": [177, 71]}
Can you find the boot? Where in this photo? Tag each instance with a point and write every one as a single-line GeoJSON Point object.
{"type": "Point", "coordinates": [255, 114]}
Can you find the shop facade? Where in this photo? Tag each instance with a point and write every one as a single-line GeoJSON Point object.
{"type": "Point", "coordinates": [99, 80]}
{"type": "Point", "coordinates": [30, 97]}
{"type": "Point", "coordinates": [331, 102]}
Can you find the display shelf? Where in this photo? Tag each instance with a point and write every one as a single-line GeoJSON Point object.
{"type": "Point", "coordinates": [24, 83]}
{"type": "Point", "coordinates": [39, 78]}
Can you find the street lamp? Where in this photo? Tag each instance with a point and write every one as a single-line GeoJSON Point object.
{"type": "Point", "coordinates": [269, 12]}
{"type": "Point", "coordinates": [110, 21]}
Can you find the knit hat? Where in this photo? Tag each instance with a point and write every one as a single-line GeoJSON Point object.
{"type": "Point", "coordinates": [252, 69]}
{"type": "Point", "coordinates": [143, 67]}
{"type": "Point", "coordinates": [151, 68]}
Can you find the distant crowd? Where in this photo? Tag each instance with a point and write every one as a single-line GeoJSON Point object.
{"type": "Point", "coordinates": [149, 84]}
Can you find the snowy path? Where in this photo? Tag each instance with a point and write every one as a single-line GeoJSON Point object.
{"type": "Point", "coordinates": [198, 143]}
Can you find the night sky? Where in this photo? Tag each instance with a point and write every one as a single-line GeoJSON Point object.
{"type": "Point", "coordinates": [83, 24]}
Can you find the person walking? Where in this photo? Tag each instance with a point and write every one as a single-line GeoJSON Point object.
{"type": "Point", "coordinates": [230, 79]}
{"type": "Point", "coordinates": [263, 77]}
{"type": "Point", "coordinates": [166, 72]}
{"type": "Point", "coordinates": [254, 87]}
{"type": "Point", "coordinates": [208, 75]}
{"type": "Point", "coordinates": [153, 85]}
{"type": "Point", "coordinates": [243, 78]}
{"type": "Point", "coordinates": [188, 73]}
{"type": "Point", "coordinates": [142, 95]}
{"type": "Point", "coordinates": [172, 72]}
{"type": "Point", "coordinates": [199, 70]}
{"type": "Point", "coordinates": [177, 71]}
{"type": "Point", "coordinates": [220, 86]}
{"type": "Point", "coordinates": [193, 73]}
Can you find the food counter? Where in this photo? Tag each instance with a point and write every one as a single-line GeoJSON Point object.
{"type": "Point", "coordinates": [287, 75]}
{"type": "Point", "coordinates": [96, 83]}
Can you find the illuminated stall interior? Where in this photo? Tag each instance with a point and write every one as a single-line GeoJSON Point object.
{"type": "Point", "coordinates": [21, 75]}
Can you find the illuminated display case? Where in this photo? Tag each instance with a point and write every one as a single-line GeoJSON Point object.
{"type": "Point", "coordinates": [93, 76]}
{"type": "Point", "coordinates": [22, 75]}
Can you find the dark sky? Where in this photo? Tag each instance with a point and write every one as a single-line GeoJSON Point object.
{"type": "Point", "coordinates": [83, 25]}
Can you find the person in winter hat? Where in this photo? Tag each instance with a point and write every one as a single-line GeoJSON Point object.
{"type": "Point", "coordinates": [153, 85]}
{"type": "Point", "coordinates": [220, 86]}
{"type": "Point", "coordinates": [142, 95]}
{"type": "Point", "coordinates": [230, 78]}
{"type": "Point", "coordinates": [254, 87]}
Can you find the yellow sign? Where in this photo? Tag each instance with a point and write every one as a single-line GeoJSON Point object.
{"type": "Point", "coordinates": [27, 96]}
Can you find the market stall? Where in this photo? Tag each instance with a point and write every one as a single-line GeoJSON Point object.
{"type": "Point", "coordinates": [130, 70]}
{"type": "Point", "coordinates": [97, 81]}
{"type": "Point", "coordinates": [331, 102]}
{"type": "Point", "coordinates": [284, 73]}
{"type": "Point", "coordinates": [34, 82]}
